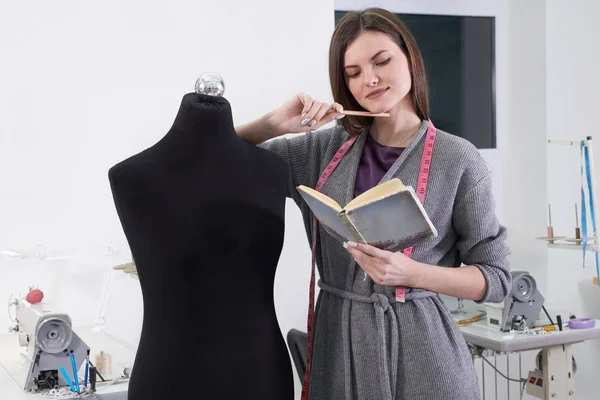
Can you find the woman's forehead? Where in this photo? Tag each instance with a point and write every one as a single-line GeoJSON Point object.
{"type": "Point", "coordinates": [366, 45]}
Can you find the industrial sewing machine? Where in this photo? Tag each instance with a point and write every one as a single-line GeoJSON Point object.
{"type": "Point", "coordinates": [513, 327]}
{"type": "Point", "coordinates": [49, 341]}
{"type": "Point", "coordinates": [520, 309]}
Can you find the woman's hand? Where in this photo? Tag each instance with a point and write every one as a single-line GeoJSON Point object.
{"type": "Point", "coordinates": [385, 267]}
{"type": "Point", "coordinates": [302, 113]}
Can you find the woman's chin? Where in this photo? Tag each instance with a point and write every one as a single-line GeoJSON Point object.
{"type": "Point", "coordinates": [379, 109]}
{"type": "Point", "coordinates": [376, 107]}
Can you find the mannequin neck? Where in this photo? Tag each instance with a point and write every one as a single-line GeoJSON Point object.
{"type": "Point", "coordinates": [203, 118]}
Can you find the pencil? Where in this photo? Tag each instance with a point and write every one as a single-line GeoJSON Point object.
{"type": "Point", "coordinates": [365, 113]}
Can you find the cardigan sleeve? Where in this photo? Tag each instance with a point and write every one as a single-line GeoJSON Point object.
{"type": "Point", "coordinates": [303, 153]}
{"type": "Point", "coordinates": [482, 241]}
{"type": "Point", "coordinates": [294, 150]}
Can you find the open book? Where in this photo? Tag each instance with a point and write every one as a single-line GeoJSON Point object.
{"type": "Point", "coordinates": [388, 216]}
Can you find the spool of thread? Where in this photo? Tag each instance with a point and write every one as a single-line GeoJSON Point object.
{"type": "Point", "coordinates": [104, 363]}
{"type": "Point", "coordinates": [550, 232]}
{"type": "Point", "coordinates": [577, 230]}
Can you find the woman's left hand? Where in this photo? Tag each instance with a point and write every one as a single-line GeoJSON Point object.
{"type": "Point", "coordinates": [384, 267]}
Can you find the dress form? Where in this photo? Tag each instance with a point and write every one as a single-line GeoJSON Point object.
{"type": "Point", "coordinates": [203, 213]}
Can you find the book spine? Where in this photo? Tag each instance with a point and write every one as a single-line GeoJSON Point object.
{"type": "Point", "coordinates": [350, 225]}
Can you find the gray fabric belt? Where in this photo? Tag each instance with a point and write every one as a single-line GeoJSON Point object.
{"type": "Point", "coordinates": [382, 304]}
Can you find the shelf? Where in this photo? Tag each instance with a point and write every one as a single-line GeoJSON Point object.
{"type": "Point", "coordinates": [574, 246]}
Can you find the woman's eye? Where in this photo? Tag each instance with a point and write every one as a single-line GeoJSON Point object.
{"type": "Point", "coordinates": [384, 62]}
{"type": "Point", "coordinates": [354, 75]}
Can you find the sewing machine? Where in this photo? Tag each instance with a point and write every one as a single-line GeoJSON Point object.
{"type": "Point", "coordinates": [521, 307]}
{"type": "Point", "coordinates": [49, 341]}
{"type": "Point", "coordinates": [510, 327]}
{"type": "Point", "coordinates": [41, 342]}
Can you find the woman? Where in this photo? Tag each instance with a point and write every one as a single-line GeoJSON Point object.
{"type": "Point", "coordinates": [366, 345]}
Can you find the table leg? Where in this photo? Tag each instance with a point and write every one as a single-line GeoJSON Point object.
{"type": "Point", "coordinates": [558, 372]}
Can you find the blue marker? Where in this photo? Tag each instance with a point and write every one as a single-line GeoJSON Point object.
{"type": "Point", "coordinates": [67, 378]}
{"type": "Point", "coordinates": [87, 366]}
{"type": "Point", "coordinates": [75, 378]}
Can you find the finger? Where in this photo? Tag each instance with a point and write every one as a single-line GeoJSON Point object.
{"type": "Point", "coordinates": [322, 111]}
{"type": "Point", "coordinates": [331, 114]}
{"type": "Point", "coordinates": [337, 107]}
{"type": "Point", "coordinates": [371, 266]}
{"type": "Point", "coordinates": [362, 258]}
{"type": "Point", "coordinates": [374, 252]}
{"type": "Point", "coordinates": [367, 272]}
{"type": "Point", "coordinates": [307, 102]}
{"type": "Point", "coordinates": [373, 272]}
{"type": "Point", "coordinates": [309, 119]}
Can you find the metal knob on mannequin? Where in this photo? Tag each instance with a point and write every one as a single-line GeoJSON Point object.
{"type": "Point", "coordinates": [210, 84]}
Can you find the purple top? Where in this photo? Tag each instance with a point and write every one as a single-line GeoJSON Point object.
{"type": "Point", "coordinates": [375, 161]}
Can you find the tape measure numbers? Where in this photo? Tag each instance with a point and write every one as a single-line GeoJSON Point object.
{"type": "Point", "coordinates": [421, 190]}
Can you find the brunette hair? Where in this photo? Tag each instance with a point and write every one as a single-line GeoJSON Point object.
{"type": "Point", "coordinates": [348, 29]}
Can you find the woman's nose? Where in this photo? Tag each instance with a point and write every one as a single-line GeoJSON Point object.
{"type": "Point", "coordinates": [371, 79]}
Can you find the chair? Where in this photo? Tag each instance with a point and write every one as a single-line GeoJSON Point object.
{"type": "Point", "coordinates": [297, 341]}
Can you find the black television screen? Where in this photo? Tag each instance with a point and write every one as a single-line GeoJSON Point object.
{"type": "Point", "coordinates": [459, 60]}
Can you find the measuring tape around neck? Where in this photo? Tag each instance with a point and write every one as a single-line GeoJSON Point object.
{"type": "Point", "coordinates": [421, 190]}
{"type": "Point", "coordinates": [400, 291]}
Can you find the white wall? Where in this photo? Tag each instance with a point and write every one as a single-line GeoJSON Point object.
{"type": "Point", "coordinates": [525, 156]}
{"type": "Point", "coordinates": [572, 86]}
{"type": "Point", "coordinates": [84, 85]}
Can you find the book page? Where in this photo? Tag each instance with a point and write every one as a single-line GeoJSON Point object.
{"type": "Point", "coordinates": [321, 197]}
{"type": "Point", "coordinates": [394, 222]}
{"type": "Point", "coordinates": [328, 217]}
{"type": "Point", "coordinates": [377, 192]}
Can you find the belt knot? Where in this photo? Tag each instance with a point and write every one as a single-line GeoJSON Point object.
{"type": "Point", "coordinates": [381, 300]}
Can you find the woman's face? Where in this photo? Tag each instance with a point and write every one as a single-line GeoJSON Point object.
{"type": "Point", "coordinates": [377, 72]}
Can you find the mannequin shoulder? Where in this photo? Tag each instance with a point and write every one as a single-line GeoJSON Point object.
{"type": "Point", "coordinates": [128, 169]}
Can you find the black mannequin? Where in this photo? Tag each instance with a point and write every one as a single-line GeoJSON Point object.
{"type": "Point", "coordinates": [203, 213]}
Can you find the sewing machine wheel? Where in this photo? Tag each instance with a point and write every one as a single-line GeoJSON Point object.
{"type": "Point", "coordinates": [54, 335]}
{"type": "Point", "coordinates": [523, 289]}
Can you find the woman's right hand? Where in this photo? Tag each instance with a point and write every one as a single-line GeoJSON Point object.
{"type": "Point", "coordinates": [302, 113]}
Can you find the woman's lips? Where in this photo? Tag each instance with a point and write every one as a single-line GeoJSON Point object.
{"type": "Point", "coordinates": [376, 94]}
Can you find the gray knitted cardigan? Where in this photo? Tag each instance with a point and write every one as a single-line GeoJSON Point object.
{"type": "Point", "coordinates": [366, 346]}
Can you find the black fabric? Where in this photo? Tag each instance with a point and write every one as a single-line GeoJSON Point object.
{"type": "Point", "coordinates": [203, 213]}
